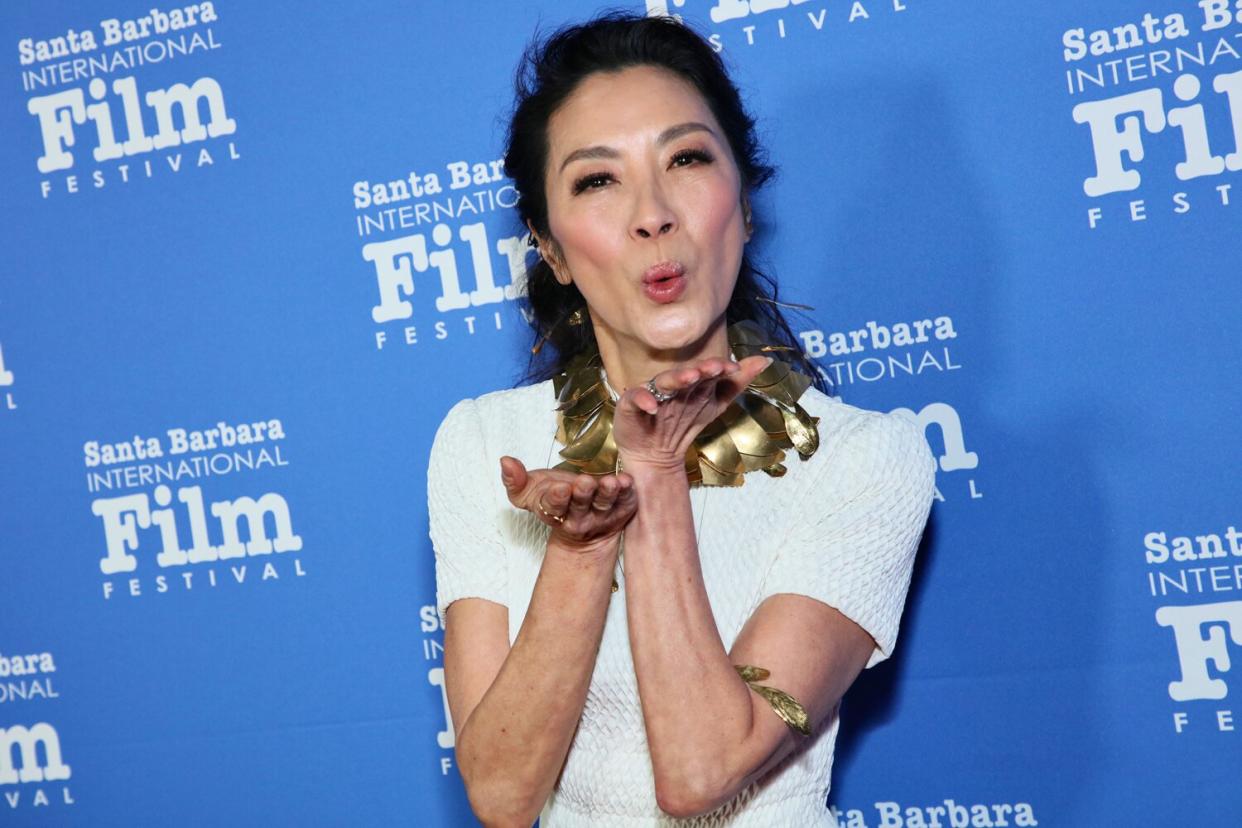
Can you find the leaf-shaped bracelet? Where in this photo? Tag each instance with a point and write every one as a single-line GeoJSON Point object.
{"type": "Point", "coordinates": [785, 705]}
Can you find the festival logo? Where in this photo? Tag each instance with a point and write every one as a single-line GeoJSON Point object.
{"type": "Point", "coordinates": [433, 654]}
{"type": "Point", "coordinates": [878, 352]}
{"type": "Point", "coordinates": [954, 457]}
{"type": "Point", "coordinates": [438, 271]}
{"type": "Point", "coordinates": [1158, 99]}
{"type": "Point", "coordinates": [948, 813]}
{"type": "Point", "coordinates": [744, 23]}
{"type": "Point", "coordinates": [7, 400]}
{"type": "Point", "coordinates": [875, 352]}
{"type": "Point", "coordinates": [1205, 569]}
{"type": "Point", "coordinates": [30, 754]}
{"type": "Point", "coordinates": [30, 759]}
{"type": "Point", "coordinates": [26, 677]}
{"type": "Point", "coordinates": [180, 511]}
{"type": "Point", "coordinates": [99, 126]}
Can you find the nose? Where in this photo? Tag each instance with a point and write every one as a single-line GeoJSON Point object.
{"type": "Point", "coordinates": [653, 215]}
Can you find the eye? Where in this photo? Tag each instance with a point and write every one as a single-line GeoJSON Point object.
{"type": "Point", "coordinates": [591, 181]}
{"type": "Point", "coordinates": [690, 156]}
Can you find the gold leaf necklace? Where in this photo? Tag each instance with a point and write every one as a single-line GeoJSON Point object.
{"type": "Point", "coordinates": [752, 433]}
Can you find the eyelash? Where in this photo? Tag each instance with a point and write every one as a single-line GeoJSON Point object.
{"type": "Point", "coordinates": [586, 182]}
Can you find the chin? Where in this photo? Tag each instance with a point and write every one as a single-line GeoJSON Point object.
{"type": "Point", "coordinates": [676, 332]}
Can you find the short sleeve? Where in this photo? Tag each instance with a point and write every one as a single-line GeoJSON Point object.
{"type": "Point", "coordinates": [859, 527]}
{"type": "Point", "coordinates": [470, 556]}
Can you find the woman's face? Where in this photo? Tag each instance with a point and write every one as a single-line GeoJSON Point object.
{"type": "Point", "coordinates": [645, 208]}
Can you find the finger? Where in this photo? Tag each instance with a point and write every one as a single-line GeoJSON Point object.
{"type": "Point", "coordinates": [640, 398]}
{"type": "Point", "coordinates": [672, 381]}
{"type": "Point", "coordinates": [554, 502]}
{"type": "Point", "coordinates": [557, 495]}
{"type": "Point", "coordinates": [713, 367]}
{"type": "Point", "coordinates": [627, 498]}
{"type": "Point", "coordinates": [605, 494]}
{"type": "Point", "coordinates": [678, 379]}
{"type": "Point", "coordinates": [728, 387]}
{"type": "Point", "coordinates": [514, 477]}
{"type": "Point", "coordinates": [583, 492]}
{"type": "Point", "coordinates": [748, 369]}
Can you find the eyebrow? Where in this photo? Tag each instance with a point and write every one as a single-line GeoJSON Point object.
{"type": "Point", "coordinates": [670, 134]}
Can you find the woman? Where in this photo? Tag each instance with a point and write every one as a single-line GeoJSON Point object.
{"type": "Point", "coordinates": [647, 630]}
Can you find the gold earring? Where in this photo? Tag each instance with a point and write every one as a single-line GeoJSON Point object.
{"type": "Point", "coordinates": [572, 319]}
{"type": "Point", "coordinates": [791, 305]}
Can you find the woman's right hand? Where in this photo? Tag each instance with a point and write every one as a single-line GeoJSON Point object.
{"type": "Point", "coordinates": [584, 511]}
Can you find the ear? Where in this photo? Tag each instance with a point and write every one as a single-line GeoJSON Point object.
{"type": "Point", "coordinates": [547, 252]}
{"type": "Point", "coordinates": [750, 227]}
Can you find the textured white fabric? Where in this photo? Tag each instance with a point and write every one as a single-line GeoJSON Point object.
{"type": "Point", "coordinates": [841, 527]}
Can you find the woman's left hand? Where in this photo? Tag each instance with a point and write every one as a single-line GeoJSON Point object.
{"type": "Point", "coordinates": [657, 434]}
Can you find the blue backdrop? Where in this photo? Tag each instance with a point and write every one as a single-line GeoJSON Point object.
{"type": "Point", "coordinates": [1016, 221]}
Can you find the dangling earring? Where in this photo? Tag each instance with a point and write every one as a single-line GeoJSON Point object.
{"type": "Point", "coordinates": [573, 319]}
{"type": "Point", "coordinates": [792, 305]}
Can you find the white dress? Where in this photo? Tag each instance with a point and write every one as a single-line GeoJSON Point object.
{"type": "Point", "coordinates": [841, 527]}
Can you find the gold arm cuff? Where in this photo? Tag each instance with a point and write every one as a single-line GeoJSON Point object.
{"type": "Point", "coordinates": [785, 705]}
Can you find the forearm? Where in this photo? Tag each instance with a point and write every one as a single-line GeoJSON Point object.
{"type": "Point", "coordinates": [698, 750]}
{"type": "Point", "coordinates": [514, 743]}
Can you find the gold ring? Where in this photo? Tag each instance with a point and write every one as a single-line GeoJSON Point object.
{"type": "Point", "coordinates": [547, 514]}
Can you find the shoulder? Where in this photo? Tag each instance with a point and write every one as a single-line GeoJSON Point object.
{"type": "Point", "coordinates": [859, 443]}
{"type": "Point", "coordinates": [474, 416]}
{"type": "Point", "coordinates": [535, 398]}
{"type": "Point", "coordinates": [515, 421]}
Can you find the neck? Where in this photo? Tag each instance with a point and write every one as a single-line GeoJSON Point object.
{"type": "Point", "coordinates": [629, 362]}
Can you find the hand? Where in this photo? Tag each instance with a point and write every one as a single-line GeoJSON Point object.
{"type": "Point", "coordinates": [584, 511]}
{"type": "Point", "coordinates": [651, 433]}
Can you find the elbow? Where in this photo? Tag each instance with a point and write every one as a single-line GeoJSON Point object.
{"type": "Point", "coordinates": [496, 810]}
{"type": "Point", "coordinates": [688, 795]}
{"type": "Point", "coordinates": [499, 802]}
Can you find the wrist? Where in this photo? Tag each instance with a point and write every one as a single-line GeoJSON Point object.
{"type": "Point", "coordinates": [640, 467]}
{"type": "Point", "coordinates": [602, 550]}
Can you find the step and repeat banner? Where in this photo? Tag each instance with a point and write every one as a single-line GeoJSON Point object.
{"type": "Point", "coordinates": [254, 252]}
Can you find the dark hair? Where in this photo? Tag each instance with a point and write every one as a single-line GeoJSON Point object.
{"type": "Point", "coordinates": [548, 74]}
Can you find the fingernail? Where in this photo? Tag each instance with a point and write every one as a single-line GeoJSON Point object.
{"type": "Point", "coordinates": [770, 360]}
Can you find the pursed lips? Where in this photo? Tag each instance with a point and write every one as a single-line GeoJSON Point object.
{"type": "Point", "coordinates": [663, 271]}
{"type": "Point", "coordinates": [664, 282]}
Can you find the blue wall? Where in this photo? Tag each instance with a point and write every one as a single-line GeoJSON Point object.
{"type": "Point", "coordinates": [1058, 204]}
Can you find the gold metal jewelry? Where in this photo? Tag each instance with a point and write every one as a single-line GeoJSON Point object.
{"type": "Point", "coordinates": [571, 319]}
{"type": "Point", "coordinates": [785, 705]}
{"type": "Point", "coordinates": [792, 305]}
{"type": "Point", "coordinates": [753, 432]}
{"type": "Point", "coordinates": [550, 516]}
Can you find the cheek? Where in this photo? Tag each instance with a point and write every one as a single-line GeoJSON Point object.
{"type": "Point", "coordinates": [722, 234]}
{"type": "Point", "coordinates": [713, 209]}
{"type": "Point", "coordinates": [585, 241]}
